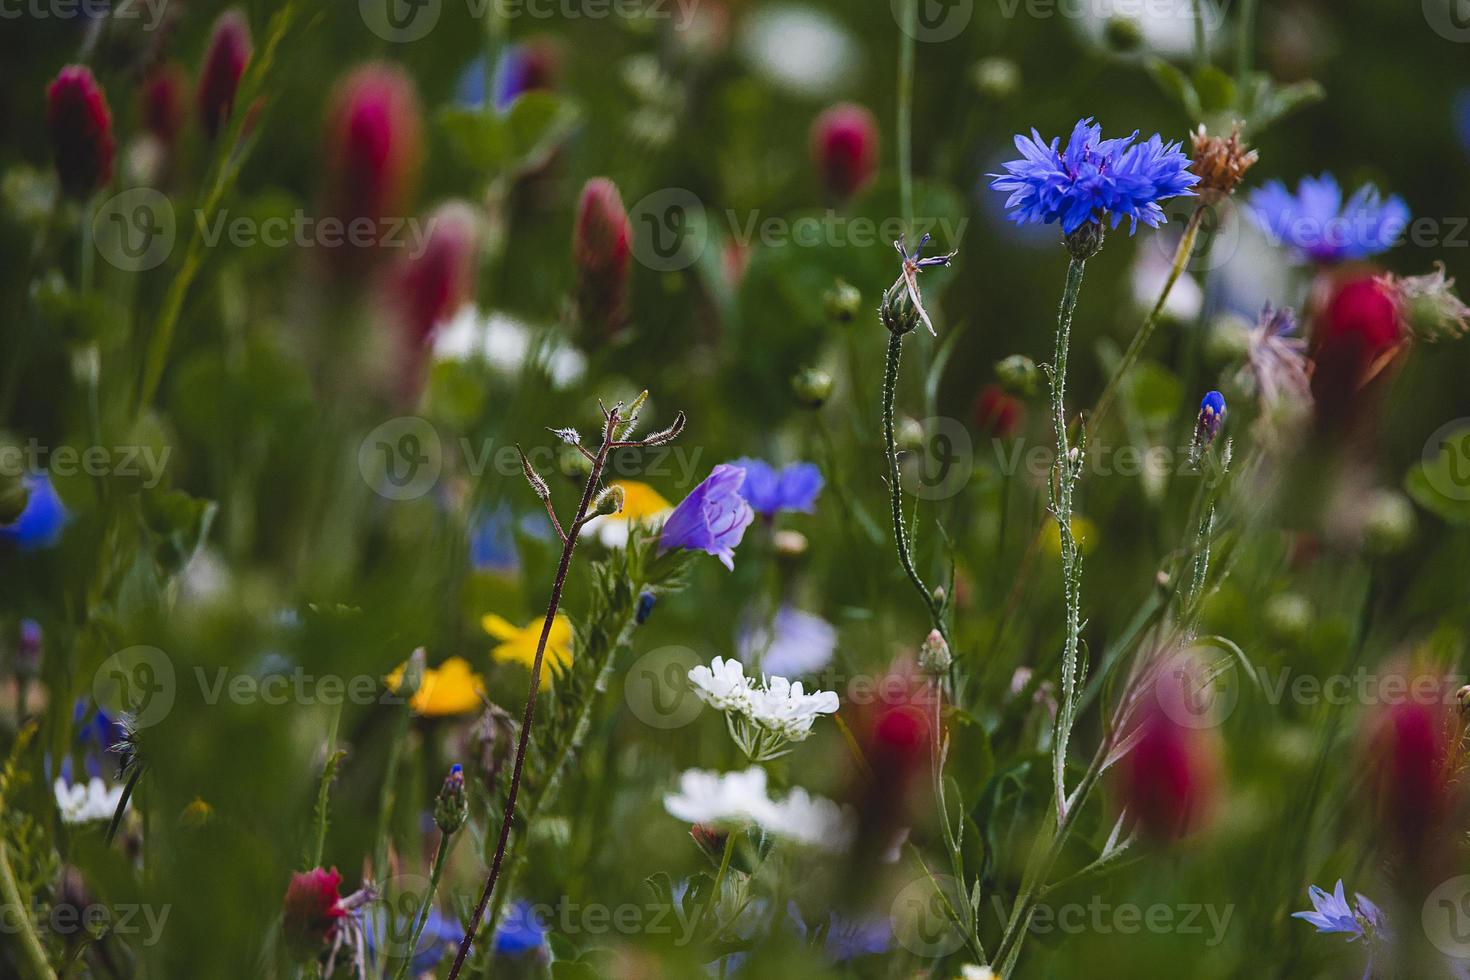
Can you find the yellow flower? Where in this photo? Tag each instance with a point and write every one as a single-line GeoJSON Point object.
{"type": "Point", "coordinates": [449, 689]}
{"type": "Point", "coordinates": [641, 504]}
{"type": "Point", "coordinates": [518, 644]}
{"type": "Point", "coordinates": [1082, 529]}
{"type": "Point", "coordinates": [197, 813]}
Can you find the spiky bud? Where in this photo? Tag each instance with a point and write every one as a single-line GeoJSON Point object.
{"type": "Point", "coordinates": [80, 126]}
{"type": "Point", "coordinates": [451, 808]}
{"type": "Point", "coordinates": [934, 655]}
{"type": "Point", "coordinates": [663, 436]}
{"type": "Point", "coordinates": [1428, 306]}
{"type": "Point", "coordinates": [1220, 162]}
{"type": "Point", "coordinates": [538, 485]}
{"type": "Point", "coordinates": [609, 501]}
{"type": "Point", "coordinates": [1086, 241]}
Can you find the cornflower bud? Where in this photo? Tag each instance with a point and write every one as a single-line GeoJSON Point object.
{"type": "Point", "coordinates": [452, 809]}
{"type": "Point", "coordinates": [1018, 374]}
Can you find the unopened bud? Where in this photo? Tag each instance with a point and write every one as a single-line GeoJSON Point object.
{"type": "Point", "coordinates": [934, 655]}
{"type": "Point", "coordinates": [842, 302]}
{"type": "Point", "coordinates": [452, 809]}
{"type": "Point", "coordinates": [609, 501]}
{"type": "Point", "coordinates": [812, 387]}
{"type": "Point", "coordinates": [1123, 34]}
{"type": "Point", "coordinates": [646, 601]}
{"type": "Point", "coordinates": [538, 485]}
{"type": "Point", "coordinates": [1086, 241]}
{"type": "Point", "coordinates": [1018, 374]}
{"type": "Point", "coordinates": [897, 311]}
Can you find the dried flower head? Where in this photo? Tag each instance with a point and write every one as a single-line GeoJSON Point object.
{"type": "Point", "coordinates": [903, 305]}
{"type": "Point", "coordinates": [1220, 162]}
{"type": "Point", "coordinates": [1428, 306]}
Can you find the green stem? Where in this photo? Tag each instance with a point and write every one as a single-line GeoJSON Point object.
{"type": "Point", "coordinates": [1245, 42]}
{"type": "Point", "coordinates": [719, 878]}
{"type": "Point", "coordinates": [388, 796]}
{"type": "Point", "coordinates": [33, 962]}
{"type": "Point", "coordinates": [1068, 472]}
{"type": "Point", "coordinates": [421, 917]}
{"type": "Point", "coordinates": [895, 489]}
{"type": "Point", "coordinates": [905, 120]}
{"type": "Point", "coordinates": [1146, 330]}
{"type": "Point", "coordinates": [324, 788]}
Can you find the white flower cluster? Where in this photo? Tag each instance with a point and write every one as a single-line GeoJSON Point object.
{"type": "Point", "coordinates": [86, 802]}
{"type": "Point", "coordinates": [741, 798]}
{"type": "Point", "coordinates": [763, 719]}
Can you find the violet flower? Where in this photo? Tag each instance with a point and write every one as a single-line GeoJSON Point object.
{"type": "Point", "coordinates": [713, 518]}
{"type": "Point", "coordinates": [769, 490]}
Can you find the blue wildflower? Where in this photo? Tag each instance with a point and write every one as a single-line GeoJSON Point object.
{"type": "Point", "coordinates": [520, 68]}
{"type": "Point", "coordinates": [769, 490]}
{"type": "Point", "coordinates": [790, 644]}
{"type": "Point", "coordinates": [1333, 913]}
{"type": "Point", "coordinates": [713, 518]}
{"type": "Point", "coordinates": [842, 938]}
{"type": "Point", "coordinates": [441, 934]}
{"type": "Point", "coordinates": [646, 602]}
{"type": "Point", "coordinates": [1093, 178]}
{"type": "Point", "coordinates": [1211, 416]}
{"type": "Point", "coordinates": [1316, 222]}
{"type": "Point", "coordinates": [520, 932]}
{"type": "Point", "coordinates": [40, 522]}
{"type": "Point", "coordinates": [493, 543]}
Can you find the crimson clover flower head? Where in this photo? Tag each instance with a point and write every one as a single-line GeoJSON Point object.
{"type": "Point", "coordinates": [312, 908]}
{"type": "Point", "coordinates": [713, 518]}
{"type": "Point", "coordinates": [1316, 222]}
{"type": "Point", "coordinates": [80, 126]}
{"type": "Point", "coordinates": [1093, 178]}
{"type": "Point", "coordinates": [224, 63]}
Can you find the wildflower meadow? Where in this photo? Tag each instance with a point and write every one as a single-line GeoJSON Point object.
{"type": "Point", "coordinates": [636, 489]}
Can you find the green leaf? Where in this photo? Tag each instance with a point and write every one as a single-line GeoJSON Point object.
{"type": "Point", "coordinates": [180, 523]}
{"type": "Point", "coordinates": [1214, 88]}
{"type": "Point", "coordinates": [1442, 486]}
{"type": "Point", "coordinates": [1153, 392]}
{"type": "Point", "coordinates": [536, 124]}
{"type": "Point", "coordinates": [477, 137]}
{"type": "Point", "coordinates": [1176, 86]}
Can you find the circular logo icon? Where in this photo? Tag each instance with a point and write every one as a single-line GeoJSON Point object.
{"type": "Point", "coordinates": [657, 688]}
{"type": "Point", "coordinates": [135, 230]}
{"type": "Point", "coordinates": [921, 919]}
{"type": "Point", "coordinates": [1450, 19]}
{"type": "Point", "coordinates": [1198, 689]}
{"type": "Point", "coordinates": [934, 21]}
{"type": "Point", "coordinates": [402, 896]}
{"type": "Point", "coordinates": [1218, 238]}
{"type": "Point", "coordinates": [945, 461]}
{"type": "Point", "coordinates": [139, 682]}
{"type": "Point", "coordinates": [402, 458]}
{"type": "Point", "coordinates": [670, 229]}
{"type": "Point", "coordinates": [400, 21]}
{"type": "Point", "coordinates": [1446, 917]}
{"type": "Point", "coordinates": [1447, 460]}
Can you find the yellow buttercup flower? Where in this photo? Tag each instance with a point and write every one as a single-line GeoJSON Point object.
{"type": "Point", "coordinates": [518, 644]}
{"type": "Point", "coordinates": [641, 505]}
{"type": "Point", "coordinates": [452, 688]}
{"type": "Point", "coordinates": [1083, 530]}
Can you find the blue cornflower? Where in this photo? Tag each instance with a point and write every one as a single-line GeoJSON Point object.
{"type": "Point", "coordinates": [520, 932]}
{"type": "Point", "coordinates": [842, 938]}
{"type": "Point", "coordinates": [1093, 178]}
{"type": "Point", "coordinates": [1316, 222]}
{"type": "Point", "coordinates": [713, 518]}
{"type": "Point", "coordinates": [646, 601]}
{"type": "Point", "coordinates": [1332, 913]}
{"type": "Point", "coordinates": [520, 68]}
{"type": "Point", "coordinates": [769, 490]}
{"type": "Point", "coordinates": [492, 541]}
{"type": "Point", "coordinates": [441, 934]}
{"type": "Point", "coordinates": [40, 522]}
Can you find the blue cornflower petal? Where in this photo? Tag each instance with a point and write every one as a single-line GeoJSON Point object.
{"type": "Point", "coordinates": [520, 931]}
{"type": "Point", "coordinates": [492, 541]}
{"type": "Point", "coordinates": [768, 490]}
{"type": "Point", "coordinates": [1317, 222]}
{"type": "Point", "coordinates": [40, 523]}
{"type": "Point", "coordinates": [1331, 912]}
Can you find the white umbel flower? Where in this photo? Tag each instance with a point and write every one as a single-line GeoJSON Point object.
{"type": "Point", "coordinates": [723, 684]}
{"type": "Point", "coordinates": [763, 720]}
{"type": "Point", "coordinates": [86, 802]}
{"type": "Point", "coordinates": [737, 799]}
{"type": "Point", "coordinates": [785, 709]}
{"type": "Point", "coordinates": [814, 821]}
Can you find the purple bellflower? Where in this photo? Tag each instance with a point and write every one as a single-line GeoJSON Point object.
{"type": "Point", "coordinates": [713, 518]}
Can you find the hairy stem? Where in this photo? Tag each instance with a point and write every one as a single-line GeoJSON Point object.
{"type": "Point", "coordinates": [528, 717]}
{"type": "Point", "coordinates": [33, 962]}
{"type": "Point", "coordinates": [1146, 329]}
{"type": "Point", "coordinates": [895, 489]}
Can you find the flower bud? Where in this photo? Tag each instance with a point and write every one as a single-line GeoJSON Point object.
{"type": "Point", "coordinates": [494, 733]}
{"type": "Point", "coordinates": [997, 413]}
{"type": "Point", "coordinates": [842, 302]}
{"type": "Point", "coordinates": [1018, 375]}
{"type": "Point", "coordinates": [609, 501]}
{"type": "Point", "coordinates": [1086, 241]}
{"type": "Point", "coordinates": [310, 910]}
{"type": "Point", "coordinates": [413, 675]}
{"type": "Point", "coordinates": [163, 96]}
{"type": "Point", "coordinates": [80, 125]}
{"type": "Point", "coordinates": [431, 286]}
{"type": "Point", "coordinates": [1211, 417]}
{"type": "Point", "coordinates": [1428, 305]}
{"type": "Point", "coordinates": [224, 63]}
{"type": "Point", "coordinates": [451, 808]}
{"type": "Point", "coordinates": [845, 149]}
{"type": "Point", "coordinates": [646, 601]}
{"type": "Point", "coordinates": [812, 387]}
{"type": "Point", "coordinates": [602, 253]}
{"type": "Point", "coordinates": [373, 140]}
{"type": "Point", "coordinates": [996, 79]}
{"type": "Point", "coordinates": [1168, 780]}
{"type": "Point", "coordinates": [934, 655]}
{"type": "Point", "coordinates": [710, 840]}
{"type": "Point", "coordinates": [897, 312]}
{"type": "Point", "coordinates": [1390, 523]}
